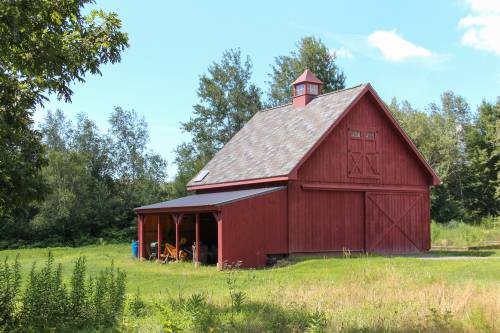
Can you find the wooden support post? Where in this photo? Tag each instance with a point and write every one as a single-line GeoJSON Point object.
{"type": "Point", "coordinates": [178, 220]}
{"type": "Point", "coordinates": [220, 262]}
{"type": "Point", "coordinates": [177, 237]}
{"type": "Point", "coordinates": [140, 227]}
{"type": "Point", "coordinates": [197, 245]}
{"type": "Point", "coordinates": [160, 237]}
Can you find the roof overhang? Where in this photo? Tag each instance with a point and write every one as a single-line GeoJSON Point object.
{"type": "Point", "coordinates": [206, 202]}
{"type": "Point", "coordinates": [238, 183]}
{"type": "Point", "coordinates": [186, 210]}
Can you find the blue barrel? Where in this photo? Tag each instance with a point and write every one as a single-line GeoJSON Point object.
{"type": "Point", "coordinates": [135, 248]}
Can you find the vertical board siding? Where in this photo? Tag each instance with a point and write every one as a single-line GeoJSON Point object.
{"type": "Point", "coordinates": [397, 164]}
{"type": "Point", "coordinates": [253, 228]}
{"type": "Point", "coordinates": [426, 212]}
{"type": "Point", "coordinates": [294, 232]}
{"type": "Point", "coordinates": [321, 221]}
{"type": "Point", "coordinates": [150, 231]}
{"type": "Point", "coordinates": [328, 221]}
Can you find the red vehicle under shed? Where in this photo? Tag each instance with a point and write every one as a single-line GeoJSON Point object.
{"type": "Point", "coordinates": [326, 173]}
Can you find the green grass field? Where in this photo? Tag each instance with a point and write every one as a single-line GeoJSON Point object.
{"type": "Point", "coordinates": [461, 234]}
{"type": "Point", "coordinates": [441, 292]}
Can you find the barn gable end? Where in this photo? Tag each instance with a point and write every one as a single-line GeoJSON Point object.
{"type": "Point", "coordinates": [365, 147]}
{"type": "Point", "coordinates": [363, 187]}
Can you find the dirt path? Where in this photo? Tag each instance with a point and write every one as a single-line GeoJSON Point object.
{"type": "Point", "coordinates": [456, 258]}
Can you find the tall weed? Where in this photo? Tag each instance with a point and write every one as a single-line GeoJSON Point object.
{"type": "Point", "coordinates": [79, 306]}
{"type": "Point", "coordinates": [44, 305]}
{"type": "Point", "coordinates": [10, 282]}
{"type": "Point", "coordinates": [108, 296]}
{"type": "Point", "coordinates": [90, 303]}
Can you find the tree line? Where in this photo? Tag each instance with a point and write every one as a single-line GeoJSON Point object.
{"type": "Point", "coordinates": [463, 148]}
{"type": "Point", "coordinates": [91, 182]}
{"type": "Point", "coordinates": [70, 183]}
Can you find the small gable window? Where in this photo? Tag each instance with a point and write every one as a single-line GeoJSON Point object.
{"type": "Point", "coordinates": [370, 135]}
{"type": "Point", "coordinates": [300, 89]}
{"type": "Point", "coordinates": [356, 134]}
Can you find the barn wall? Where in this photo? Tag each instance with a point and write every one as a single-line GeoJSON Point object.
{"type": "Point", "coordinates": [294, 222]}
{"type": "Point", "coordinates": [253, 228]}
{"type": "Point", "coordinates": [150, 232]}
{"type": "Point", "coordinates": [397, 164]}
{"type": "Point", "coordinates": [427, 220]}
{"type": "Point", "coordinates": [329, 220]}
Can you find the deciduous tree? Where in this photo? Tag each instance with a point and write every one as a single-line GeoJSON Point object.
{"type": "Point", "coordinates": [45, 45]}
{"type": "Point", "coordinates": [464, 151]}
{"type": "Point", "coordinates": [311, 53]}
{"type": "Point", "coordinates": [95, 179]}
{"type": "Point", "coordinates": [482, 189]}
{"type": "Point", "coordinates": [227, 100]}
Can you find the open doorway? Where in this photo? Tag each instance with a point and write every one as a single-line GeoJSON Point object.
{"type": "Point", "coordinates": [187, 236]}
{"type": "Point", "coordinates": [208, 239]}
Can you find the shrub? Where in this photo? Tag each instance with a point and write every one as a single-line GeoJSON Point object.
{"type": "Point", "coordinates": [108, 296]}
{"type": "Point", "coordinates": [45, 299]}
{"type": "Point", "coordinates": [90, 303]}
{"type": "Point", "coordinates": [10, 281]}
{"type": "Point", "coordinates": [136, 306]}
{"type": "Point", "coordinates": [440, 320]}
{"type": "Point", "coordinates": [79, 312]}
{"type": "Point", "coordinates": [234, 286]}
{"type": "Point", "coordinates": [317, 322]}
{"type": "Point", "coordinates": [198, 312]}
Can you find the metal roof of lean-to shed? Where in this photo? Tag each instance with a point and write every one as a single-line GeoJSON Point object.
{"type": "Point", "coordinates": [208, 199]}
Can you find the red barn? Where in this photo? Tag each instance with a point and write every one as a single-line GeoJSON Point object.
{"type": "Point", "coordinates": [326, 173]}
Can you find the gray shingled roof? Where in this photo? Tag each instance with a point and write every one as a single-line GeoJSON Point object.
{"type": "Point", "coordinates": [274, 141]}
{"type": "Point", "coordinates": [212, 199]}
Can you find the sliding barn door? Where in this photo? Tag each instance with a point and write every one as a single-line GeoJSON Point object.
{"type": "Point", "coordinates": [396, 222]}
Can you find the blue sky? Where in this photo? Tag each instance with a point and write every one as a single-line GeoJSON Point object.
{"type": "Point", "coordinates": [411, 50]}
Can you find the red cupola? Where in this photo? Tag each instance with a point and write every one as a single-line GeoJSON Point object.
{"type": "Point", "coordinates": [305, 88]}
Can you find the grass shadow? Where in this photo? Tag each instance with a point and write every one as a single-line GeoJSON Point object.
{"type": "Point", "coordinates": [334, 256]}
{"type": "Point", "coordinates": [451, 253]}
{"type": "Point", "coordinates": [261, 316]}
{"type": "Point", "coordinates": [429, 254]}
{"type": "Point", "coordinates": [201, 316]}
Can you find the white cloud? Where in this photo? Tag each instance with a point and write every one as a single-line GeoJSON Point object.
{"type": "Point", "coordinates": [482, 28]}
{"type": "Point", "coordinates": [342, 52]}
{"type": "Point", "coordinates": [484, 6]}
{"type": "Point", "coordinates": [396, 48]}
